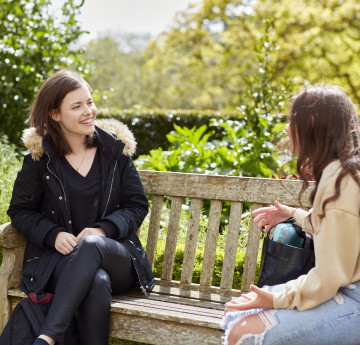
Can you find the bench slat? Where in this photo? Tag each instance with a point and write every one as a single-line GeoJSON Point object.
{"type": "Point", "coordinates": [197, 293]}
{"type": "Point", "coordinates": [230, 188]}
{"type": "Point", "coordinates": [197, 287]}
{"type": "Point", "coordinates": [168, 306]}
{"type": "Point", "coordinates": [168, 312]}
{"type": "Point", "coordinates": [171, 238]}
{"type": "Point", "coordinates": [251, 255]}
{"type": "Point", "coordinates": [232, 239]}
{"type": "Point", "coordinates": [154, 225]}
{"type": "Point", "coordinates": [191, 241]}
{"type": "Point", "coordinates": [178, 297]}
{"type": "Point", "coordinates": [211, 242]}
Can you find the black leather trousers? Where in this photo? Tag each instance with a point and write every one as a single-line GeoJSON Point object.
{"type": "Point", "coordinates": [83, 282]}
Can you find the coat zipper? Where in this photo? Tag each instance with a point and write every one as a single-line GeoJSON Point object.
{"type": "Point", "coordinates": [132, 259]}
{"type": "Point", "coordinates": [112, 182]}
{"type": "Point", "coordinates": [36, 257]}
{"type": "Point", "coordinates": [137, 272]}
{"type": "Point", "coordinates": [62, 187]}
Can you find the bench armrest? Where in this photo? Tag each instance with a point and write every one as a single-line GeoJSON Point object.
{"type": "Point", "coordinates": [13, 246]}
{"type": "Point", "coordinates": [10, 238]}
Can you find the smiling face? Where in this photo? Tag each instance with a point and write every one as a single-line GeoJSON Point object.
{"type": "Point", "coordinates": [77, 113]}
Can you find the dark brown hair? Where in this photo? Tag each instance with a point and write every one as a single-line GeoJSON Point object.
{"type": "Point", "coordinates": [48, 99]}
{"type": "Point", "coordinates": [324, 126]}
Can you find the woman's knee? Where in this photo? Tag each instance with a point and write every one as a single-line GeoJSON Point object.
{"type": "Point", "coordinates": [90, 240]}
{"type": "Point", "coordinates": [101, 281]}
{"type": "Point", "coordinates": [90, 243]}
{"type": "Point", "coordinates": [251, 324]}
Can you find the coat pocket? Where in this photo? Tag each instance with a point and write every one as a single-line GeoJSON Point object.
{"type": "Point", "coordinates": [29, 273]}
{"type": "Point", "coordinates": [38, 269]}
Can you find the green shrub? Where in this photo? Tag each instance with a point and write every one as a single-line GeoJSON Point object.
{"type": "Point", "coordinates": [9, 165]}
{"type": "Point", "coordinates": [244, 146]}
{"type": "Point", "coordinates": [150, 126]}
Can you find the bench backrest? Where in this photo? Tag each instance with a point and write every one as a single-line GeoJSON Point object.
{"type": "Point", "coordinates": [258, 192]}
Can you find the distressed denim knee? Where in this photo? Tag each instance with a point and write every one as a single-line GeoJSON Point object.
{"type": "Point", "coordinates": [251, 329]}
{"type": "Point", "coordinates": [334, 322]}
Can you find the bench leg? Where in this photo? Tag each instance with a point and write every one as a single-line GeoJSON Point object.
{"type": "Point", "coordinates": [10, 277]}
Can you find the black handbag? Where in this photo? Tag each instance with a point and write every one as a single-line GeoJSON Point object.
{"type": "Point", "coordinates": [281, 262]}
{"type": "Point", "coordinates": [25, 323]}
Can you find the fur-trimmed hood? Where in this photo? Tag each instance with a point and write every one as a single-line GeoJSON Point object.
{"type": "Point", "coordinates": [34, 142]}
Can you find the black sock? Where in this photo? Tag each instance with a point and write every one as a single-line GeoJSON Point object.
{"type": "Point", "coordinates": [40, 341]}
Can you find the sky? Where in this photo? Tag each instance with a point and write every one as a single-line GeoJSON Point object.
{"type": "Point", "coordinates": [137, 16]}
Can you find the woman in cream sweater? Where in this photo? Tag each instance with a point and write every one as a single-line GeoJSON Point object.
{"type": "Point", "coordinates": [322, 307]}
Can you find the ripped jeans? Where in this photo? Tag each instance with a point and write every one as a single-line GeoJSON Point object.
{"type": "Point", "coordinates": [334, 322]}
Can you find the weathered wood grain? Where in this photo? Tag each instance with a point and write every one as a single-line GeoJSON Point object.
{"type": "Point", "coordinates": [196, 314]}
{"type": "Point", "coordinates": [191, 241]}
{"type": "Point", "coordinates": [171, 238]}
{"type": "Point", "coordinates": [251, 255]}
{"type": "Point", "coordinates": [231, 188]}
{"type": "Point", "coordinates": [206, 291]}
{"type": "Point", "coordinates": [11, 267]}
{"type": "Point", "coordinates": [187, 297]}
{"type": "Point", "coordinates": [232, 238]}
{"type": "Point", "coordinates": [10, 238]}
{"type": "Point", "coordinates": [150, 330]}
{"type": "Point", "coordinates": [211, 242]}
{"type": "Point", "coordinates": [154, 226]}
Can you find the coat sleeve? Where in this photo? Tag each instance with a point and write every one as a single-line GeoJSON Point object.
{"type": "Point", "coordinates": [25, 208]}
{"type": "Point", "coordinates": [302, 220]}
{"type": "Point", "coordinates": [133, 206]}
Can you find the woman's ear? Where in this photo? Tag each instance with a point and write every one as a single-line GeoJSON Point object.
{"type": "Point", "coordinates": [54, 115]}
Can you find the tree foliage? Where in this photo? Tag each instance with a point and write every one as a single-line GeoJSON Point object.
{"type": "Point", "coordinates": [205, 59]}
{"type": "Point", "coordinates": [246, 146]}
{"type": "Point", "coordinates": [118, 74]}
{"type": "Point", "coordinates": [319, 40]}
{"type": "Point", "coordinates": [34, 42]}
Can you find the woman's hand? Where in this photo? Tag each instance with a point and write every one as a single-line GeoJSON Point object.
{"type": "Point", "coordinates": [256, 298]}
{"type": "Point", "coordinates": [90, 231]}
{"type": "Point", "coordinates": [268, 217]}
{"type": "Point", "coordinates": [65, 242]}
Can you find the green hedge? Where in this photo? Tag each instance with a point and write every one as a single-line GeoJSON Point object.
{"type": "Point", "coordinates": [150, 126]}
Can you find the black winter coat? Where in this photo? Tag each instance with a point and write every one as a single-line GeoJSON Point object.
{"type": "Point", "coordinates": [40, 202]}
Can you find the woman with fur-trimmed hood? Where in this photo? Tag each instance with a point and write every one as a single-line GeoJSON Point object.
{"type": "Point", "coordinates": [79, 200]}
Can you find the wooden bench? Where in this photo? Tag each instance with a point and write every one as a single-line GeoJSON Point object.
{"type": "Point", "coordinates": [176, 312]}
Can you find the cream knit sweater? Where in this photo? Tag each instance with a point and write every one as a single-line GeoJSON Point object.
{"type": "Point", "coordinates": [336, 242]}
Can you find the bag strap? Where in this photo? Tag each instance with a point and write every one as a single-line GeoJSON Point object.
{"type": "Point", "coordinates": [307, 242]}
{"type": "Point", "coordinates": [307, 238]}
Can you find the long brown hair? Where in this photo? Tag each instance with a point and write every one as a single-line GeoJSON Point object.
{"type": "Point", "coordinates": [48, 99]}
{"type": "Point", "coordinates": [324, 126]}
